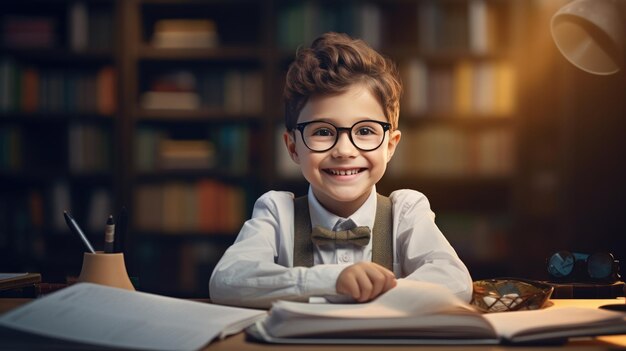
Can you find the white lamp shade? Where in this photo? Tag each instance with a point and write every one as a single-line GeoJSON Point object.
{"type": "Point", "coordinates": [590, 34]}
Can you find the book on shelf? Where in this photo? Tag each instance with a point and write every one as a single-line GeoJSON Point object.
{"type": "Point", "coordinates": [185, 33]}
{"type": "Point", "coordinates": [170, 100]}
{"type": "Point", "coordinates": [86, 314]}
{"type": "Point", "coordinates": [29, 32]}
{"type": "Point", "coordinates": [89, 148]}
{"type": "Point", "coordinates": [301, 22]}
{"type": "Point", "coordinates": [425, 313]}
{"type": "Point", "coordinates": [465, 88]}
{"type": "Point", "coordinates": [26, 88]}
{"type": "Point", "coordinates": [89, 27]}
{"type": "Point", "coordinates": [186, 154]}
{"type": "Point", "coordinates": [439, 150]}
{"type": "Point", "coordinates": [206, 207]}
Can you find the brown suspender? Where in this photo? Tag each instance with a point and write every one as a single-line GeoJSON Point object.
{"type": "Point", "coordinates": [382, 235]}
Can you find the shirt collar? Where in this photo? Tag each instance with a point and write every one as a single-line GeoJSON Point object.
{"type": "Point", "coordinates": [364, 216]}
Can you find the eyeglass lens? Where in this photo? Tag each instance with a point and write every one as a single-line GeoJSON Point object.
{"type": "Point", "coordinates": [365, 135]}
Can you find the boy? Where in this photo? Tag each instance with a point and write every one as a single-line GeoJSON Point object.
{"type": "Point", "coordinates": [342, 107]}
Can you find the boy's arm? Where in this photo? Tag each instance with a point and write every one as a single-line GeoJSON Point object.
{"type": "Point", "coordinates": [423, 251]}
{"type": "Point", "coordinates": [255, 270]}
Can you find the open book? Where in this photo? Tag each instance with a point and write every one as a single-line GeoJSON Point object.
{"type": "Point", "coordinates": [93, 314]}
{"type": "Point", "coordinates": [425, 313]}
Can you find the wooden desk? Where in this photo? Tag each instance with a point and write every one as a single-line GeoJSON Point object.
{"type": "Point", "coordinates": [238, 342]}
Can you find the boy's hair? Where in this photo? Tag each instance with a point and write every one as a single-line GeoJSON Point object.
{"type": "Point", "coordinates": [331, 65]}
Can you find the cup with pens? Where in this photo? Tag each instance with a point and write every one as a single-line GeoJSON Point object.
{"type": "Point", "coordinates": [103, 267]}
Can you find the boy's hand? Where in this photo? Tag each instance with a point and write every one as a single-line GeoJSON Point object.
{"type": "Point", "coordinates": [365, 281]}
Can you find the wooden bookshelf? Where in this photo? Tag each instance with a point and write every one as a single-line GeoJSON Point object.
{"type": "Point", "coordinates": [467, 101]}
{"type": "Point", "coordinates": [59, 117]}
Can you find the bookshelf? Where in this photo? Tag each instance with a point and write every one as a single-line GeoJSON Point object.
{"type": "Point", "coordinates": [59, 106]}
{"type": "Point", "coordinates": [197, 114]}
{"type": "Point", "coordinates": [194, 114]}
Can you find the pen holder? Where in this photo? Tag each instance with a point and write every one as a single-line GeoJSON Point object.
{"type": "Point", "coordinates": [105, 269]}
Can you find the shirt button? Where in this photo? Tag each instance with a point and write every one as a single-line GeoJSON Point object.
{"type": "Point", "coordinates": [345, 258]}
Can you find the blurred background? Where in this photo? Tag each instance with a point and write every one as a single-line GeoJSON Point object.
{"type": "Point", "coordinates": [172, 110]}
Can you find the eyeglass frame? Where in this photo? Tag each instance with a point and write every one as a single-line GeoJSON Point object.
{"type": "Point", "coordinates": [386, 127]}
{"type": "Point", "coordinates": [581, 269]}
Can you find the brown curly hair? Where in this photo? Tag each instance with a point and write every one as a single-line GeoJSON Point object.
{"type": "Point", "coordinates": [333, 63]}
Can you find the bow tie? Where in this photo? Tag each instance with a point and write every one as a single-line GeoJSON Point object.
{"type": "Point", "coordinates": [359, 236]}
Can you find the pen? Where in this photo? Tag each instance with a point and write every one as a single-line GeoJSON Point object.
{"type": "Point", "coordinates": [109, 235]}
{"type": "Point", "coordinates": [76, 229]}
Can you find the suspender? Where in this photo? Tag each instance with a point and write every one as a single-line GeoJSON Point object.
{"type": "Point", "coordinates": [382, 235]}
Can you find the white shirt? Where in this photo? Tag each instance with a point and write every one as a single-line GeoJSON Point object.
{"type": "Point", "coordinates": [258, 268]}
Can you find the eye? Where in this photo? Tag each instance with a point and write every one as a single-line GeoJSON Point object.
{"type": "Point", "coordinates": [324, 132]}
{"type": "Point", "coordinates": [365, 130]}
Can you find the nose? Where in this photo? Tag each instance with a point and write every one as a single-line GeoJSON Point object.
{"type": "Point", "coordinates": [344, 146]}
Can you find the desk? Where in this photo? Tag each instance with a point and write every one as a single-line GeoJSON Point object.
{"type": "Point", "coordinates": [238, 342]}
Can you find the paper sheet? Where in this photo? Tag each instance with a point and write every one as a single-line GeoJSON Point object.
{"type": "Point", "coordinates": [118, 318]}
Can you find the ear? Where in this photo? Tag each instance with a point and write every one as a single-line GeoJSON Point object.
{"type": "Point", "coordinates": [290, 143]}
{"type": "Point", "coordinates": [394, 139]}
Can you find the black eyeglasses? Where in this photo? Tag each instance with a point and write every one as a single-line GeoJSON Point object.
{"type": "Point", "coordinates": [581, 267]}
{"type": "Point", "coordinates": [320, 136]}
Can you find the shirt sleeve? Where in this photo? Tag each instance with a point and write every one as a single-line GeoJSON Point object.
{"type": "Point", "coordinates": [424, 254]}
{"type": "Point", "coordinates": [257, 269]}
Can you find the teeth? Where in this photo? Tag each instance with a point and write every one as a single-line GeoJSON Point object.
{"type": "Point", "coordinates": [344, 172]}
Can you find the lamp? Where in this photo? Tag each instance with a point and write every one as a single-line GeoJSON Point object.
{"type": "Point", "coordinates": [591, 34]}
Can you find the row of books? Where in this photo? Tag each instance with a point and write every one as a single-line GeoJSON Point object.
{"type": "Point", "coordinates": [185, 33]}
{"type": "Point", "coordinates": [30, 89]}
{"type": "Point", "coordinates": [205, 207]}
{"type": "Point", "coordinates": [227, 147]}
{"type": "Point", "coordinates": [231, 91]}
{"type": "Point", "coordinates": [89, 149]}
{"type": "Point", "coordinates": [40, 209]}
{"type": "Point", "coordinates": [299, 23]}
{"type": "Point", "coordinates": [87, 28]}
{"type": "Point", "coordinates": [475, 25]}
{"type": "Point", "coordinates": [444, 151]}
{"type": "Point", "coordinates": [462, 89]}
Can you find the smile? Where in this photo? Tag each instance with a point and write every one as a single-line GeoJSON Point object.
{"type": "Point", "coordinates": [344, 172]}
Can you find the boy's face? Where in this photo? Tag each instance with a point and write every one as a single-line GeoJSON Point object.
{"type": "Point", "coordinates": [342, 177]}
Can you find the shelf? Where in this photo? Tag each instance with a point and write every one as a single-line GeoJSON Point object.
{"type": "Point", "coordinates": [58, 55]}
{"type": "Point", "coordinates": [202, 115]}
{"type": "Point", "coordinates": [241, 53]}
{"type": "Point", "coordinates": [451, 119]}
{"type": "Point", "coordinates": [444, 56]}
{"type": "Point", "coordinates": [44, 176]}
{"type": "Point", "coordinates": [55, 117]}
{"type": "Point", "coordinates": [190, 175]}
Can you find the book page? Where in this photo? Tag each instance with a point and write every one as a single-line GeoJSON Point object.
{"type": "Point", "coordinates": [408, 298]}
{"type": "Point", "coordinates": [556, 322]}
{"type": "Point", "coordinates": [415, 310]}
{"type": "Point", "coordinates": [101, 315]}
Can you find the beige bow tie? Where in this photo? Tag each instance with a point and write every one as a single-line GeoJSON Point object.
{"type": "Point", "coordinates": [359, 236]}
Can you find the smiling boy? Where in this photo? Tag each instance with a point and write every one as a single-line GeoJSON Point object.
{"type": "Point", "coordinates": [341, 240]}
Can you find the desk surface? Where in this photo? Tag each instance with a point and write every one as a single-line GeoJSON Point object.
{"type": "Point", "coordinates": [238, 342]}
